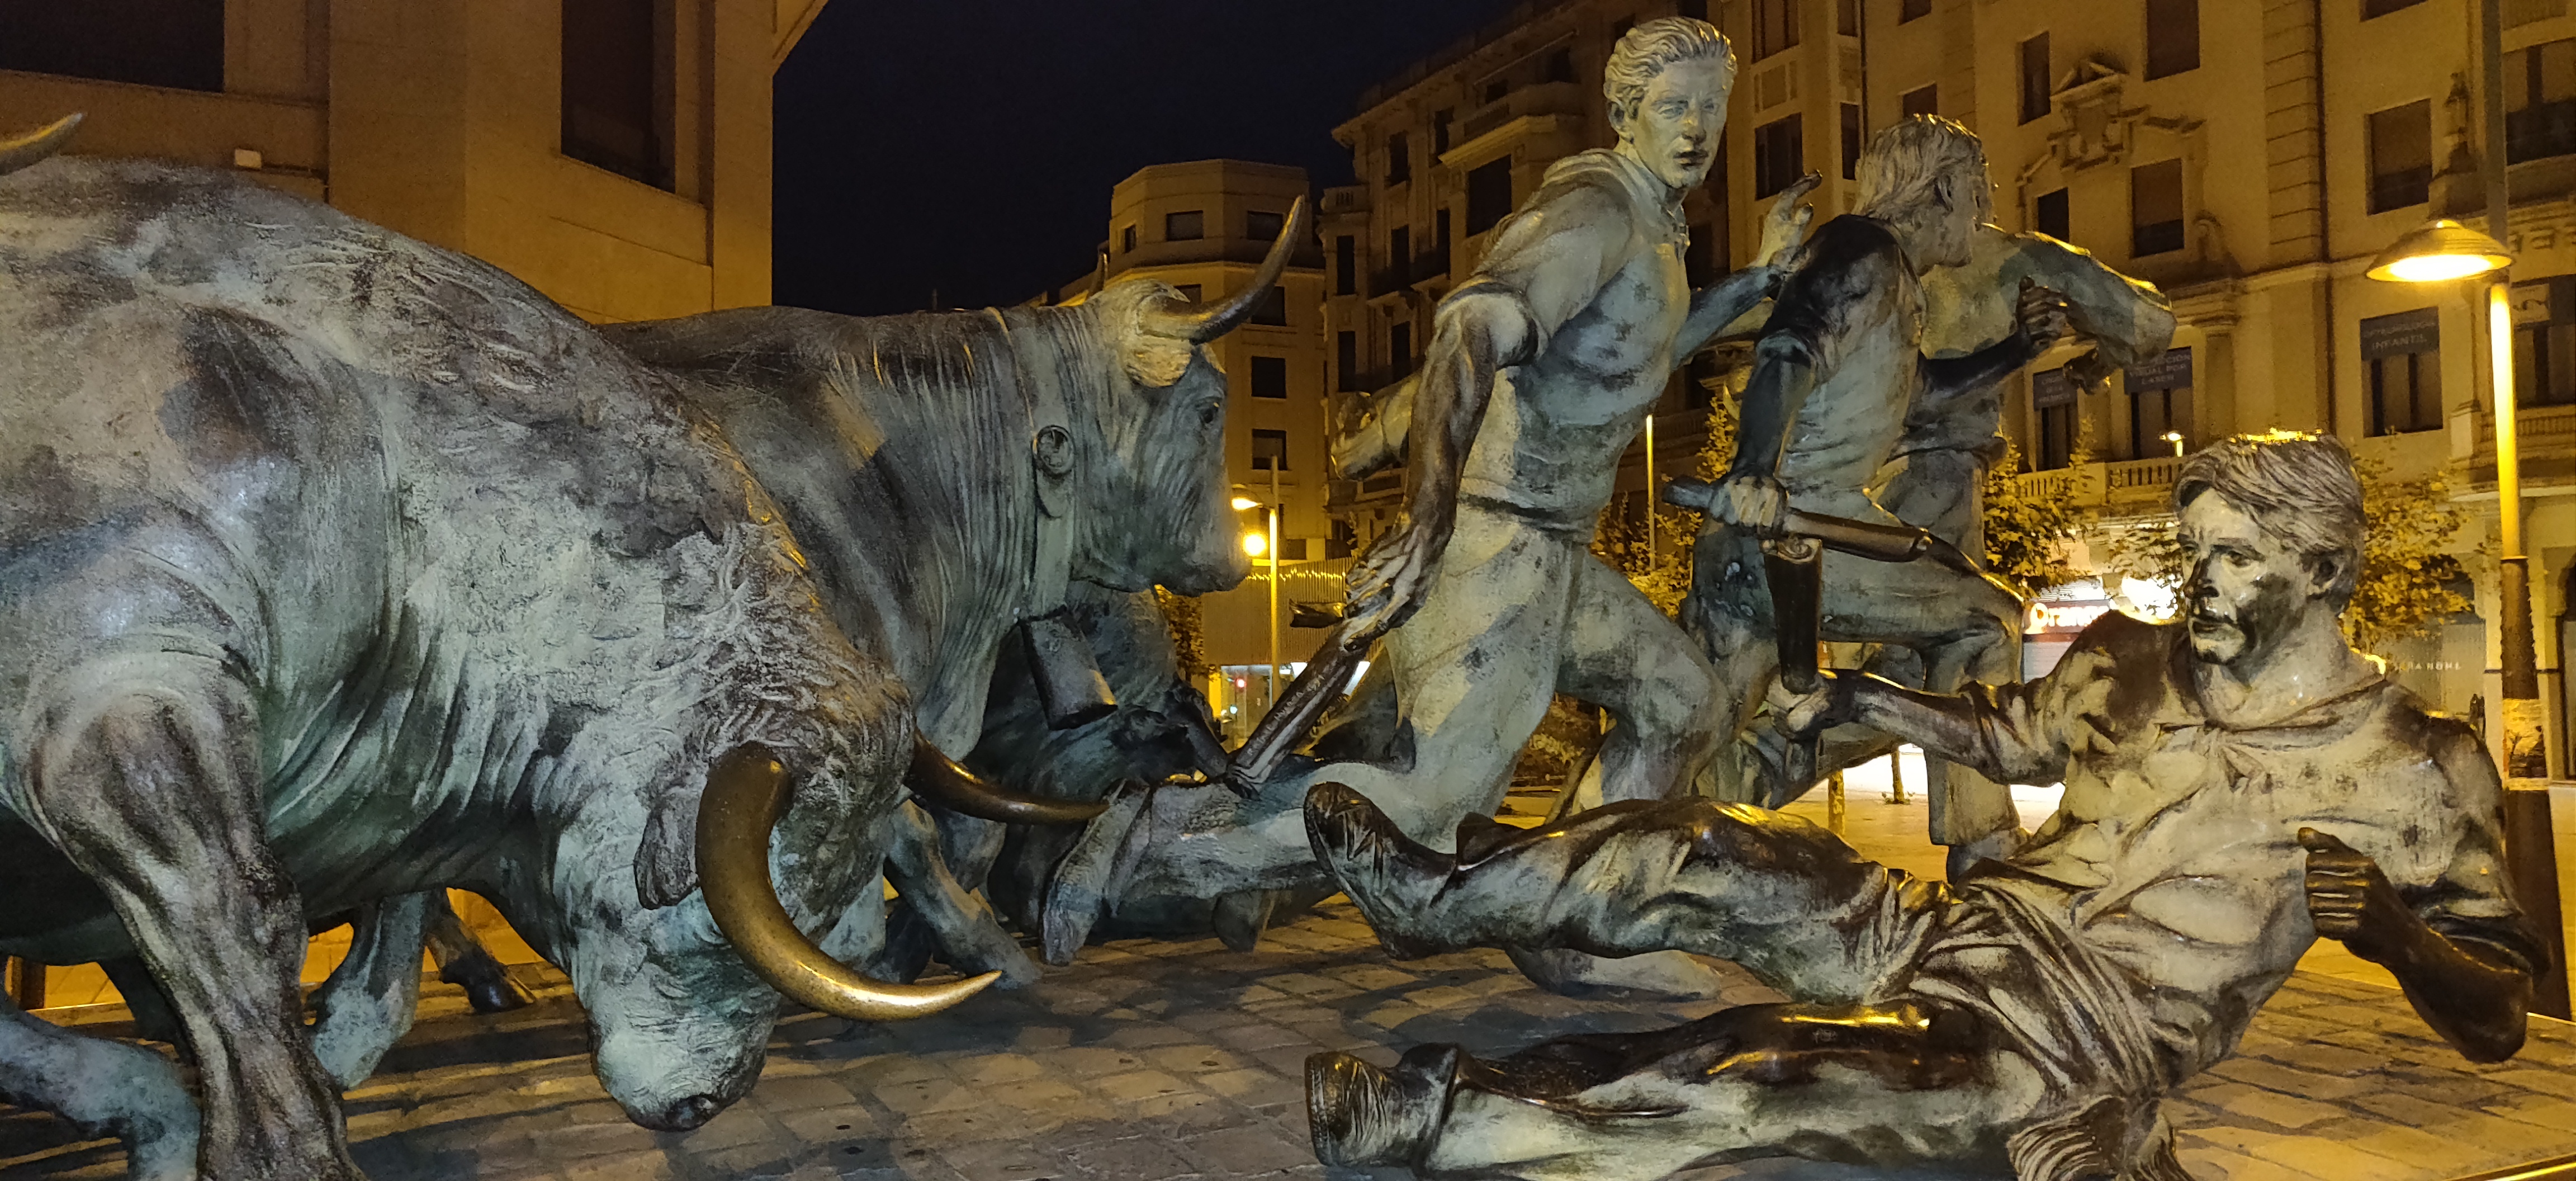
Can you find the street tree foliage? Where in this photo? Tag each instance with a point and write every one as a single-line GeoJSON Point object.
{"type": "Point", "coordinates": [2407, 578]}
{"type": "Point", "coordinates": [2027, 533]}
{"type": "Point", "coordinates": [1189, 632]}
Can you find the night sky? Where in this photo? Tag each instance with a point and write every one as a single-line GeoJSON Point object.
{"type": "Point", "coordinates": [969, 146]}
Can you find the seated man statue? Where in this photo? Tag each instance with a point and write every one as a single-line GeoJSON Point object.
{"type": "Point", "coordinates": [2238, 783]}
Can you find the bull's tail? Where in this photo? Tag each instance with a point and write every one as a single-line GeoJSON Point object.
{"type": "Point", "coordinates": [21, 151]}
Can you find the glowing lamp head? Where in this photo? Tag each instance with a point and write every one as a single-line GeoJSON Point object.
{"type": "Point", "coordinates": [2439, 251]}
{"type": "Point", "coordinates": [1244, 502]}
{"type": "Point", "coordinates": [1255, 544]}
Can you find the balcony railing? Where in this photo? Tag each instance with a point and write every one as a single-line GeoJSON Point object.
{"type": "Point", "coordinates": [2124, 488]}
{"type": "Point", "coordinates": [1550, 98]}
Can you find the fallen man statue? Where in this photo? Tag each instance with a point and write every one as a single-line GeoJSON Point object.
{"type": "Point", "coordinates": [2238, 784]}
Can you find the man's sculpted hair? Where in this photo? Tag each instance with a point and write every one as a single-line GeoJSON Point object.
{"type": "Point", "coordinates": [2300, 488]}
{"type": "Point", "coordinates": [1651, 47]}
{"type": "Point", "coordinates": [1907, 159]}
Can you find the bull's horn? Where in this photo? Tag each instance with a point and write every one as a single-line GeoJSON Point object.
{"type": "Point", "coordinates": [1203, 322]}
{"type": "Point", "coordinates": [747, 791]}
{"type": "Point", "coordinates": [36, 145]}
{"type": "Point", "coordinates": [941, 783]}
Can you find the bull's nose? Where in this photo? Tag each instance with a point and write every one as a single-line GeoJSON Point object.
{"type": "Point", "coordinates": [690, 1112]}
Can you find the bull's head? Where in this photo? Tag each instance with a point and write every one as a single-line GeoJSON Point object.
{"type": "Point", "coordinates": [1161, 476]}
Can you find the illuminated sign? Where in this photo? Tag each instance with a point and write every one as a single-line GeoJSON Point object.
{"type": "Point", "coordinates": [2070, 616]}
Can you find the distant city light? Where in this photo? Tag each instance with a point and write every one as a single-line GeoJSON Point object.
{"type": "Point", "coordinates": [1244, 502]}
{"type": "Point", "coordinates": [1255, 544]}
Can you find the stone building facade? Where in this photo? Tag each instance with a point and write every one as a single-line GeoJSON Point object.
{"type": "Point", "coordinates": [613, 153]}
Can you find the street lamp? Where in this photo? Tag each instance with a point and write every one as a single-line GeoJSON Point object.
{"type": "Point", "coordinates": [1266, 543]}
{"type": "Point", "coordinates": [2446, 251]}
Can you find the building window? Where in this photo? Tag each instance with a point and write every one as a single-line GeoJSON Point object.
{"type": "Point", "coordinates": [2050, 215]}
{"type": "Point", "coordinates": [1775, 27]}
{"type": "Point", "coordinates": [1497, 90]}
{"type": "Point", "coordinates": [1189, 225]}
{"type": "Point", "coordinates": [1269, 451]}
{"type": "Point", "coordinates": [2034, 78]}
{"type": "Point", "coordinates": [1907, 10]}
{"type": "Point", "coordinates": [2155, 208]}
{"type": "Point", "coordinates": [1399, 159]}
{"type": "Point", "coordinates": [1489, 195]}
{"type": "Point", "coordinates": [1922, 100]}
{"type": "Point", "coordinates": [1346, 361]}
{"type": "Point", "coordinates": [1399, 352]}
{"type": "Point", "coordinates": [2403, 354]}
{"type": "Point", "coordinates": [2371, 8]}
{"type": "Point", "coordinates": [1619, 28]}
{"type": "Point", "coordinates": [2052, 409]}
{"type": "Point", "coordinates": [1399, 258]}
{"type": "Point", "coordinates": [1441, 125]}
{"type": "Point", "coordinates": [1343, 542]}
{"type": "Point", "coordinates": [1436, 262]}
{"type": "Point", "coordinates": [1264, 227]}
{"type": "Point", "coordinates": [1346, 265]}
{"type": "Point", "coordinates": [2160, 405]}
{"type": "Point", "coordinates": [1127, 240]}
{"type": "Point", "coordinates": [2540, 102]}
{"type": "Point", "coordinates": [1847, 18]}
{"type": "Point", "coordinates": [1851, 140]}
{"type": "Point", "coordinates": [2544, 342]}
{"type": "Point", "coordinates": [2401, 156]}
{"type": "Point", "coordinates": [2173, 37]}
{"type": "Point", "coordinates": [1270, 377]}
{"type": "Point", "coordinates": [618, 87]}
{"type": "Point", "coordinates": [1273, 308]}
{"type": "Point", "coordinates": [1559, 66]}
{"type": "Point", "coordinates": [1779, 155]}
{"type": "Point", "coordinates": [173, 43]}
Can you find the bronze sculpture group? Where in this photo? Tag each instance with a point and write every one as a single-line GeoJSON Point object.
{"type": "Point", "coordinates": [336, 569]}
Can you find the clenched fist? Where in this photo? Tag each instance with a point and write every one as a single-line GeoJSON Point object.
{"type": "Point", "coordinates": [2351, 899]}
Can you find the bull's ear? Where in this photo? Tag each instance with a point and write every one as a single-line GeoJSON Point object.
{"type": "Point", "coordinates": [666, 863]}
{"type": "Point", "coordinates": [1155, 362]}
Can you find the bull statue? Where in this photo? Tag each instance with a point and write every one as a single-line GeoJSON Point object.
{"type": "Point", "coordinates": [953, 477]}
{"type": "Point", "coordinates": [335, 568]}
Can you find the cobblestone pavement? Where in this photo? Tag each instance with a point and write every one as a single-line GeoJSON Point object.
{"type": "Point", "coordinates": [1150, 1061]}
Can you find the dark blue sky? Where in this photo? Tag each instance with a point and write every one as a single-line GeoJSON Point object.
{"type": "Point", "coordinates": [970, 145]}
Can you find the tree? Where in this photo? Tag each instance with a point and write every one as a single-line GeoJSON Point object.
{"type": "Point", "coordinates": [1189, 633]}
{"type": "Point", "coordinates": [2027, 534]}
{"type": "Point", "coordinates": [2406, 577]}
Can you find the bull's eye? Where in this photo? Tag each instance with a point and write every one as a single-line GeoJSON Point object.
{"type": "Point", "coordinates": [1211, 413]}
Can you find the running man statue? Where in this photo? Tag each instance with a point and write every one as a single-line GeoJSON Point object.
{"type": "Point", "coordinates": [1541, 370]}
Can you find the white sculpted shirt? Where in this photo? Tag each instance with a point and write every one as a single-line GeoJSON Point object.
{"type": "Point", "coordinates": [2150, 918]}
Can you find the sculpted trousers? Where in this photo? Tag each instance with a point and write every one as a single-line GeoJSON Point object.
{"type": "Point", "coordinates": [1852, 1070]}
{"type": "Point", "coordinates": [1515, 614]}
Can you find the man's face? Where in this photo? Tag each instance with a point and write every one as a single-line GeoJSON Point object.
{"type": "Point", "coordinates": [1674, 128]}
{"type": "Point", "coordinates": [1971, 204]}
{"type": "Point", "coordinates": [2247, 590]}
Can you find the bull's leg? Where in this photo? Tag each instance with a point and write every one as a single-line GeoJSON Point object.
{"type": "Point", "coordinates": [464, 961]}
{"type": "Point", "coordinates": [1887, 1085]}
{"type": "Point", "coordinates": [969, 934]}
{"type": "Point", "coordinates": [367, 1004]}
{"type": "Point", "coordinates": [102, 1087]}
{"type": "Point", "coordinates": [149, 782]}
{"type": "Point", "coordinates": [153, 1019]}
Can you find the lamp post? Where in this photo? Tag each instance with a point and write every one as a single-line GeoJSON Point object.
{"type": "Point", "coordinates": [1257, 545]}
{"type": "Point", "coordinates": [2445, 251]}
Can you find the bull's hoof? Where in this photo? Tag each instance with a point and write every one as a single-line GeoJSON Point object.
{"type": "Point", "coordinates": [1389, 876]}
{"type": "Point", "coordinates": [493, 990]}
{"type": "Point", "coordinates": [1360, 1116]}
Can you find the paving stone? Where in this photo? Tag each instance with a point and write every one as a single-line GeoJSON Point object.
{"type": "Point", "coordinates": [1077, 1080]}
